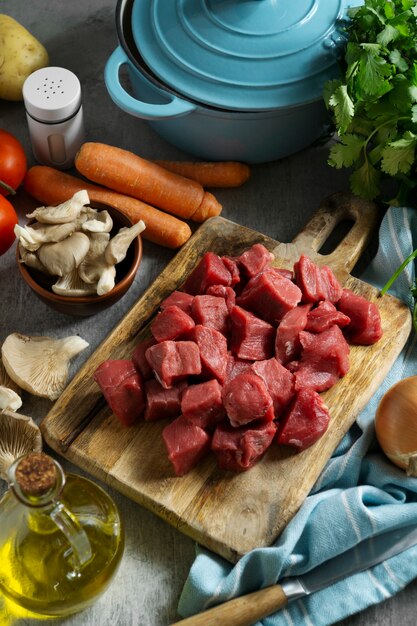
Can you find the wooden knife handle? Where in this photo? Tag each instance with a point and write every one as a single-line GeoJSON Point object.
{"type": "Point", "coordinates": [242, 611]}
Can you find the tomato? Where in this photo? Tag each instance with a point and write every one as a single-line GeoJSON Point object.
{"type": "Point", "coordinates": [8, 219]}
{"type": "Point", "coordinates": [13, 163]}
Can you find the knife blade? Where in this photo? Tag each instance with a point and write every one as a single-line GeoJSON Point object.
{"type": "Point", "coordinates": [248, 609]}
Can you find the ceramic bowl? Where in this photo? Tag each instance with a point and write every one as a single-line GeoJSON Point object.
{"type": "Point", "coordinates": [41, 284]}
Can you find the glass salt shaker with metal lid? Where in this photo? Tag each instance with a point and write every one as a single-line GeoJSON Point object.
{"type": "Point", "coordinates": [54, 113]}
{"type": "Point", "coordinates": [61, 538]}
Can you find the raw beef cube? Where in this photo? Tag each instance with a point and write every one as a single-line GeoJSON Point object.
{"type": "Point", "coordinates": [254, 260]}
{"type": "Point", "coordinates": [202, 404]}
{"type": "Point", "coordinates": [161, 402]}
{"type": "Point", "coordinates": [210, 271]}
{"type": "Point", "coordinates": [122, 387]}
{"type": "Point", "coordinates": [333, 287]}
{"type": "Point", "coordinates": [309, 278]}
{"type": "Point", "coordinates": [316, 283]}
{"type": "Point", "coordinates": [287, 338]}
{"type": "Point", "coordinates": [278, 380]}
{"type": "Point", "coordinates": [235, 366]}
{"type": "Point", "coordinates": [210, 311]}
{"type": "Point", "coordinates": [180, 299]}
{"type": "Point", "coordinates": [365, 320]}
{"type": "Point", "coordinates": [139, 359]}
{"type": "Point", "coordinates": [250, 337]}
{"type": "Point", "coordinates": [305, 422]}
{"type": "Point", "coordinates": [233, 267]}
{"type": "Point", "coordinates": [269, 295]}
{"type": "Point", "coordinates": [325, 315]}
{"type": "Point", "coordinates": [246, 399]}
{"type": "Point", "coordinates": [324, 359]}
{"type": "Point", "coordinates": [221, 291]}
{"type": "Point", "coordinates": [186, 444]}
{"type": "Point", "coordinates": [171, 323]}
{"type": "Point", "coordinates": [284, 272]}
{"type": "Point", "coordinates": [238, 449]}
{"type": "Point", "coordinates": [172, 361]}
{"type": "Point", "coordinates": [213, 352]}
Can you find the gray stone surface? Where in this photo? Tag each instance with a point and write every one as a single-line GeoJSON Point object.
{"type": "Point", "coordinates": [279, 198]}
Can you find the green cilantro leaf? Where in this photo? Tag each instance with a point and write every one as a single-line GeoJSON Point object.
{"type": "Point", "coordinates": [386, 36]}
{"type": "Point", "coordinates": [398, 156]}
{"type": "Point", "coordinates": [329, 89]}
{"type": "Point", "coordinates": [346, 152]}
{"type": "Point", "coordinates": [398, 60]}
{"type": "Point", "coordinates": [343, 107]}
{"type": "Point", "coordinates": [365, 181]}
{"type": "Point", "coordinates": [373, 69]}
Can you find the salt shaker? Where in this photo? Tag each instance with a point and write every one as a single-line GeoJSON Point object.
{"type": "Point", "coordinates": [52, 98]}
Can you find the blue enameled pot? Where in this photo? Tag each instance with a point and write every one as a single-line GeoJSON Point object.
{"type": "Point", "coordinates": [228, 79]}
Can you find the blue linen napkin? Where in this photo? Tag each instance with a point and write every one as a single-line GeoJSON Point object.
{"type": "Point", "coordinates": [359, 494]}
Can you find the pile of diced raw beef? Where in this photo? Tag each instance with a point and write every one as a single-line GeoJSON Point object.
{"type": "Point", "coordinates": [238, 357]}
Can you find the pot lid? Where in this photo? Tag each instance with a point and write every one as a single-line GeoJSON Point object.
{"type": "Point", "coordinates": [241, 54]}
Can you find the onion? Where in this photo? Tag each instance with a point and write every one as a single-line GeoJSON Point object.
{"type": "Point", "coordinates": [396, 424]}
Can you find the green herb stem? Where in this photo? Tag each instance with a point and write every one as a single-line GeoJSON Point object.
{"type": "Point", "coordinates": [394, 277]}
{"type": "Point", "coordinates": [376, 131]}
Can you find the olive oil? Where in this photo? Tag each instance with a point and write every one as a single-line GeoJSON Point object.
{"type": "Point", "coordinates": [57, 558]}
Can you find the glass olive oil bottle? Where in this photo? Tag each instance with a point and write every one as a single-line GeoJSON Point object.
{"type": "Point", "coordinates": [61, 538]}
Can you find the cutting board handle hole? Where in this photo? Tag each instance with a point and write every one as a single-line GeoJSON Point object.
{"type": "Point", "coordinates": [339, 232]}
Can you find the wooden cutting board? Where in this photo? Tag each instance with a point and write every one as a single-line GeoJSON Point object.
{"type": "Point", "coordinates": [226, 512]}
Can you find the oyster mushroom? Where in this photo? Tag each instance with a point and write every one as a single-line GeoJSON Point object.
{"type": "Point", "coordinates": [66, 212]}
{"type": "Point", "coordinates": [101, 223]}
{"type": "Point", "coordinates": [18, 435]}
{"type": "Point", "coordinates": [9, 399]}
{"type": "Point", "coordinates": [94, 269]}
{"type": "Point", "coordinates": [107, 280]}
{"type": "Point", "coordinates": [89, 267]}
{"type": "Point", "coordinates": [62, 257]}
{"type": "Point", "coordinates": [5, 379]}
{"type": "Point", "coordinates": [32, 237]}
{"type": "Point", "coordinates": [30, 259]}
{"type": "Point", "coordinates": [119, 244]}
{"type": "Point", "coordinates": [40, 365]}
{"type": "Point", "coordinates": [87, 213]}
{"type": "Point", "coordinates": [72, 285]}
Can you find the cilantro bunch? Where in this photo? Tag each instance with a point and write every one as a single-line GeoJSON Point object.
{"type": "Point", "coordinates": [374, 104]}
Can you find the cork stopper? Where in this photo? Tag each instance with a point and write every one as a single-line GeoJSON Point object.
{"type": "Point", "coordinates": [36, 474]}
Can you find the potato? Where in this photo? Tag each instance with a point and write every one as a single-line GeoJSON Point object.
{"type": "Point", "coordinates": [20, 55]}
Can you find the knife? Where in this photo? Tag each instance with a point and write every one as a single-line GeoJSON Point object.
{"type": "Point", "coordinates": [248, 609]}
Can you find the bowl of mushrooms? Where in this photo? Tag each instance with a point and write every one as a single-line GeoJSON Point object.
{"type": "Point", "coordinates": [79, 257]}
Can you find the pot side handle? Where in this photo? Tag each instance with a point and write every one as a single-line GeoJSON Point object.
{"type": "Point", "coordinates": [174, 107]}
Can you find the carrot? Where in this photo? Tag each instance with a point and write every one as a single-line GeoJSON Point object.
{"type": "Point", "coordinates": [128, 173]}
{"type": "Point", "coordinates": [210, 174]}
{"type": "Point", "coordinates": [208, 208]}
{"type": "Point", "coordinates": [52, 186]}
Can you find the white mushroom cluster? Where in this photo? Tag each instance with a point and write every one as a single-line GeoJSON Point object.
{"type": "Point", "coordinates": [39, 365]}
{"type": "Point", "coordinates": [72, 241]}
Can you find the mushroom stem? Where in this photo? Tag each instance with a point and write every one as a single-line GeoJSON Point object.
{"type": "Point", "coordinates": [71, 346]}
